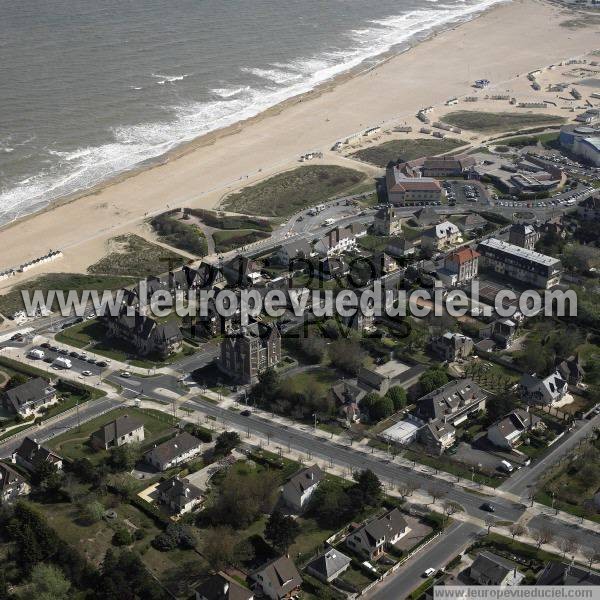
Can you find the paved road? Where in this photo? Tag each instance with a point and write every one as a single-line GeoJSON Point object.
{"type": "Point", "coordinates": [348, 457]}
{"type": "Point", "coordinates": [437, 554]}
{"type": "Point", "coordinates": [58, 425]}
{"type": "Point", "coordinates": [526, 477]}
{"type": "Point", "coordinates": [562, 530]}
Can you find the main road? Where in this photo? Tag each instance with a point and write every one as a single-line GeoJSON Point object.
{"type": "Point", "coordinates": [353, 459]}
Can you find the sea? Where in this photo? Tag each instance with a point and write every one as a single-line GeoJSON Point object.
{"type": "Point", "coordinates": [93, 88]}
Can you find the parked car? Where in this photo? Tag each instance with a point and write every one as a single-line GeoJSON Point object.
{"type": "Point", "coordinates": [245, 413]}
{"type": "Point", "coordinates": [429, 572]}
{"type": "Point", "coordinates": [125, 374]}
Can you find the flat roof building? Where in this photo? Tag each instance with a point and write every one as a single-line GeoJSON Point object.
{"type": "Point", "coordinates": [521, 264]}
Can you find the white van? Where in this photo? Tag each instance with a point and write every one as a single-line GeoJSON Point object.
{"type": "Point", "coordinates": [506, 466]}
{"type": "Point", "coordinates": [62, 363]}
{"type": "Point", "coordinates": [37, 354]}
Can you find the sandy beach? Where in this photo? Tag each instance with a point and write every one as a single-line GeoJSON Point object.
{"type": "Point", "coordinates": [501, 45]}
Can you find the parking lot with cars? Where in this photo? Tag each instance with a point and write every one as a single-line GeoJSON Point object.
{"type": "Point", "coordinates": [58, 357]}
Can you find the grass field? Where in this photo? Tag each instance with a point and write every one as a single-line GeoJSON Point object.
{"type": "Point", "coordinates": [73, 444]}
{"type": "Point", "coordinates": [12, 302]}
{"type": "Point", "coordinates": [133, 256]}
{"type": "Point", "coordinates": [405, 150]}
{"type": "Point", "coordinates": [230, 239]}
{"type": "Point", "coordinates": [487, 122]}
{"type": "Point", "coordinates": [81, 334]}
{"type": "Point", "coordinates": [179, 234]}
{"type": "Point", "coordinates": [221, 221]}
{"type": "Point", "coordinates": [289, 192]}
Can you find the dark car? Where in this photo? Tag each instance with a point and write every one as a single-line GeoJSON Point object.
{"type": "Point", "coordinates": [54, 348]}
{"type": "Point", "coordinates": [45, 345]}
{"type": "Point", "coordinates": [102, 363]}
{"type": "Point", "coordinates": [245, 413]}
{"type": "Point", "coordinates": [488, 507]}
{"type": "Point", "coordinates": [17, 337]}
{"type": "Point", "coordinates": [92, 361]}
{"type": "Point", "coordinates": [74, 354]}
{"type": "Point", "coordinates": [48, 359]}
{"type": "Point", "coordinates": [63, 351]}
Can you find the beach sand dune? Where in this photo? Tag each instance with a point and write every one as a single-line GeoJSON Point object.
{"type": "Point", "coordinates": [501, 45]}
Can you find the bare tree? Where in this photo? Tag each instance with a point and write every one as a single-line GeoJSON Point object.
{"type": "Point", "coordinates": [517, 530]}
{"type": "Point", "coordinates": [407, 488]}
{"type": "Point", "coordinates": [568, 545]}
{"type": "Point", "coordinates": [543, 535]}
{"type": "Point", "coordinates": [435, 492]}
{"type": "Point", "coordinates": [489, 523]}
{"type": "Point", "coordinates": [592, 555]}
{"type": "Point", "coordinates": [451, 508]}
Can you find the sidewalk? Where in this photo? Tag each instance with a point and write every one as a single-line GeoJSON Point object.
{"type": "Point", "coordinates": [362, 446]}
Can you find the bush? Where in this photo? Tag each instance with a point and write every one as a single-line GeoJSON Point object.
{"type": "Point", "coordinates": [122, 537]}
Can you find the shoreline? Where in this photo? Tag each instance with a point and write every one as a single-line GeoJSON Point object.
{"type": "Point", "coordinates": [210, 138]}
{"type": "Point", "coordinates": [502, 44]}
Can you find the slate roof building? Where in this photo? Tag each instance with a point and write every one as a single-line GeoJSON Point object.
{"type": "Point", "coordinates": [548, 391]}
{"type": "Point", "coordinates": [452, 346]}
{"type": "Point", "coordinates": [278, 579]}
{"type": "Point", "coordinates": [507, 433]}
{"type": "Point", "coordinates": [222, 587]}
{"type": "Point", "coordinates": [12, 484]}
{"type": "Point", "coordinates": [560, 573]}
{"type": "Point", "coordinates": [300, 487]}
{"type": "Point", "coordinates": [441, 237]}
{"type": "Point", "coordinates": [374, 537]}
{"type": "Point", "coordinates": [175, 451]}
{"type": "Point", "coordinates": [179, 495]}
{"type": "Point", "coordinates": [123, 430]}
{"type": "Point", "coordinates": [329, 565]}
{"type": "Point", "coordinates": [571, 370]}
{"type": "Point", "coordinates": [29, 397]}
{"type": "Point", "coordinates": [491, 569]}
{"type": "Point", "coordinates": [30, 454]}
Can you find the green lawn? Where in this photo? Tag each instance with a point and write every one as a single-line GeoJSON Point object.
{"type": "Point", "coordinates": [134, 256]}
{"type": "Point", "coordinates": [73, 444]}
{"type": "Point", "coordinates": [488, 122]}
{"type": "Point", "coordinates": [82, 334]}
{"type": "Point", "coordinates": [356, 578]}
{"type": "Point", "coordinates": [324, 378]}
{"type": "Point", "coordinates": [405, 150]}
{"type": "Point", "coordinates": [179, 234]}
{"type": "Point", "coordinates": [286, 193]}
{"type": "Point", "coordinates": [226, 240]}
{"type": "Point", "coordinates": [15, 430]}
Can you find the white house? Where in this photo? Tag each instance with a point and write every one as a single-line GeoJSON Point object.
{"type": "Point", "coordinates": [175, 451]}
{"type": "Point", "coordinates": [508, 432]}
{"type": "Point", "coordinates": [299, 489]}
{"type": "Point", "coordinates": [371, 539]}
{"type": "Point", "coordinates": [548, 391]}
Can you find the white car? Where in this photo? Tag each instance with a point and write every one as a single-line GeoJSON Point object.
{"type": "Point", "coordinates": [86, 373]}
{"type": "Point", "coordinates": [37, 354]}
{"type": "Point", "coordinates": [125, 375]}
{"type": "Point", "coordinates": [429, 572]}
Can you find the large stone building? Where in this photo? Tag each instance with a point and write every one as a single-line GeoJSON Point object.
{"type": "Point", "coordinates": [464, 263]}
{"type": "Point", "coordinates": [387, 222]}
{"type": "Point", "coordinates": [447, 166]}
{"type": "Point", "coordinates": [582, 141]}
{"type": "Point", "coordinates": [250, 351]}
{"type": "Point", "coordinates": [589, 209]}
{"type": "Point", "coordinates": [526, 266]}
{"type": "Point", "coordinates": [523, 235]}
{"type": "Point", "coordinates": [402, 189]}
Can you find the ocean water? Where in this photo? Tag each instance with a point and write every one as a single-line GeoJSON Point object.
{"type": "Point", "coordinates": [91, 88]}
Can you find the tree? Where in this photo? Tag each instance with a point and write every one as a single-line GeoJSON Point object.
{"type": "Point", "coordinates": [451, 508]}
{"type": "Point", "coordinates": [46, 477]}
{"type": "Point", "coordinates": [397, 395]}
{"type": "Point", "coordinates": [433, 379]}
{"type": "Point", "coordinates": [91, 512]}
{"type": "Point", "coordinates": [489, 523]}
{"type": "Point", "coordinates": [435, 492]}
{"type": "Point", "coordinates": [281, 531]}
{"type": "Point", "coordinates": [16, 380]}
{"type": "Point", "coordinates": [47, 583]}
{"type": "Point", "coordinates": [330, 505]}
{"type": "Point", "coordinates": [367, 489]}
{"type": "Point", "coordinates": [407, 488]}
{"type": "Point", "coordinates": [517, 530]}
{"type": "Point", "coordinates": [122, 537]}
{"type": "Point", "coordinates": [592, 555]}
{"type": "Point", "coordinates": [381, 409]}
{"type": "Point", "coordinates": [267, 387]}
{"type": "Point", "coordinates": [346, 354]}
{"type": "Point", "coordinates": [219, 547]}
{"type": "Point", "coordinates": [226, 442]}
{"type": "Point", "coordinates": [542, 536]}
{"type": "Point", "coordinates": [568, 545]}
{"type": "Point", "coordinates": [123, 458]}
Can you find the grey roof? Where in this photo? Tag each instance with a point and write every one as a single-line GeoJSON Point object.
{"type": "Point", "coordinates": [385, 527]}
{"type": "Point", "coordinates": [303, 480]}
{"type": "Point", "coordinates": [347, 393]}
{"type": "Point", "coordinates": [494, 567]}
{"type": "Point", "coordinates": [178, 490]}
{"type": "Point", "coordinates": [449, 398]}
{"type": "Point", "coordinates": [9, 477]}
{"type": "Point", "coordinates": [504, 248]}
{"type": "Point", "coordinates": [33, 452]}
{"type": "Point", "coordinates": [30, 391]}
{"type": "Point", "coordinates": [439, 429]}
{"type": "Point", "coordinates": [222, 587]}
{"type": "Point", "coordinates": [297, 248]}
{"type": "Point", "coordinates": [283, 575]}
{"type": "Point", "coordinates": [329, 563]}
{"type": "Point", "coordinates": [115, 429]}
{"type": "Point", "coordinates": [559, 573]}
{"type": "Point", "coordinates": [176, 446]}
{"type": "Point", "coordinates": [518, 420]}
